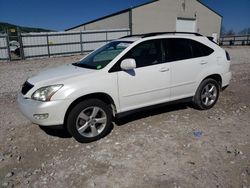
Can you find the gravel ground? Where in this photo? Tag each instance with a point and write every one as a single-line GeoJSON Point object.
{"type": "Point", "coordinates": [154, 148]}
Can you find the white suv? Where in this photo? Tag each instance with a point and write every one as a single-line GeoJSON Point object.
{"type": "Point", "coordinates": [126, 74]}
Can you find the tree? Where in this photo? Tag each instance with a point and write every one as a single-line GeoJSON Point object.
{"type": "Point", "coordinates": [223, 31]}
{"type": "Point", "coordinates": [230, 33]}
{"type": "Point", "coordinates": [245, 31]}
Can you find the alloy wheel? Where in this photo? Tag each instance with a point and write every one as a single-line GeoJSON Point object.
{"type": "Point", "coordinates": [91, 121]}
{"type": "Point", "coordinates": [209, 94]}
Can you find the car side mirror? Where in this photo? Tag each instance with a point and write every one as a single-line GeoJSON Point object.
{"type": "Point", "coordinates": [128, 64]}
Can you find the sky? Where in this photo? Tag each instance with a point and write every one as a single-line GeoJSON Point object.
{"type": "Point", "coordinates": [63, 14]}
{"type": "Point", "coordinates": [236, 13]}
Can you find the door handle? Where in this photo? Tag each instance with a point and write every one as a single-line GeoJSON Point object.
{"type": "Point", "coordinates": [203, 62]}
{"type": "Point", "coordinates": [164, 69]}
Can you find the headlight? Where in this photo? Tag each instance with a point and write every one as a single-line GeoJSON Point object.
{"type": "Point", "coordinates": [45, 93]}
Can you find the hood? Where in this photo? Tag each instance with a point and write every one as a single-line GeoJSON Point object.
{"type": "Point", "coordinates": [59, 74]}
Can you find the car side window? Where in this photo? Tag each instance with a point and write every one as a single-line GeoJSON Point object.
{"type": "Point", "coordinates": [146, 53]}
{"type": "Point", "coordinates": [200, 50]}
{"type": "Point", "coordinates": [196, 49]}
{"type": "Point", "coordinates": [177, 49]}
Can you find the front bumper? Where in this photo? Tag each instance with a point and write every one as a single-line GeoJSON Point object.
{"type": "Point", "coordinates": [55, 110]}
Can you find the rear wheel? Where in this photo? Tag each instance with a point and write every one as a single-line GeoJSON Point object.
{"type": "Point", "coordinates": [89, 120]}
{"type": "Point", "coordinates": [207, 94]}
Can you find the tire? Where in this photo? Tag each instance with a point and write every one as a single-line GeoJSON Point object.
{"type": "Point", "coordinates": [89, 120]}
{"type": "Point", "coordinates": [207, 94]}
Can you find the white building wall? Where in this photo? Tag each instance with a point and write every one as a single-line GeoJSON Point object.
{"type": "Point", "coordinates": [154, 17]}
{"type": "Point", "coordinates": [162, 16]}
{"type": "Point", "coordinates": [119, 21]}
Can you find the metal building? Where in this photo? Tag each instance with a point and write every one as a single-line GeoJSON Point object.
{"type": "Point", "coordinates": [160, 16]}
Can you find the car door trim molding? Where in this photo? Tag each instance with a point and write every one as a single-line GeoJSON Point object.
{"type": "Point", "coordinates": [185, 83]}
{"type": "Point", "coordinates": [144, 92]}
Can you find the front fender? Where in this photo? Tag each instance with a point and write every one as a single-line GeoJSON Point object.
{"type": "Point", "coordinates": [82, 86]}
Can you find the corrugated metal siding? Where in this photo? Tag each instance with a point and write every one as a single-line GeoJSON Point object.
{"type": "Point", "coordinates": [69, 48]}
{"type": "Point", "coordinates": [56, 43]}
{"type": "Point", "coordinates": [4, 55]}
{"type": "Point", "coordinates": [33, 39]}
{"type": "Point", "coordinates": [92, 46]}
{"type": "Point", "coordinates": [37, 51]}
{"type": "Point", "coordinates": [72, 37]}
{"type": "Point", "coordinates": [32, 44]}
{"type": "Point", "coordinates": [62, 39]}
{"type": "Point", "coordinates": [86, 37]}
{"type": "Point", "coordinates": [115, 35]}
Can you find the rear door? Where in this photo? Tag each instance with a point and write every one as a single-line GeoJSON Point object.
{"type": "Point", "coordinates": [187, 61]}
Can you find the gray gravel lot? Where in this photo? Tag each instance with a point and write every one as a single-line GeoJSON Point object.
{"type": "Point", "coordinates": [154, 148]}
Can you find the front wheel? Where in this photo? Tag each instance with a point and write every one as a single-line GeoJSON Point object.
{"type": "Point", "coordinates": [207, 94]}
{"type": "Point", "coordinates": [89, 120]}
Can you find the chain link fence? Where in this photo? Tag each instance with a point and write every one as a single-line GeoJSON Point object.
{"type": "Point", "coordinates": [4, 47]}
{"type": "Point", "coordinates": [235, 40]}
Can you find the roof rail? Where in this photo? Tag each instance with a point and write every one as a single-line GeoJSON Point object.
{"type": "Point", "coordinates": [162, 33]}
{"type": "Point", "coordinates": [137, 35]}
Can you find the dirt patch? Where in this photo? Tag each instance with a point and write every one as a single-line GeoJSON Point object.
{"type": "Point", "coordinates": [154, 148]}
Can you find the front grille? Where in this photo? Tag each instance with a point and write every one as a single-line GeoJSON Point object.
{"type": "Point", "coordinates": [26, 87]}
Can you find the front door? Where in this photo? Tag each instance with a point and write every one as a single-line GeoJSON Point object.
{"type": "Point", "coordinates": [149, 82]}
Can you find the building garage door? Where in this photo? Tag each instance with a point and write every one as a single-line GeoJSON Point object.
{"type": "Point", "coordinates": [185, 25]}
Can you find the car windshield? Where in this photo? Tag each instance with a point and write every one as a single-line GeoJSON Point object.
{"type": "Point", "coordinates": [103, 56]}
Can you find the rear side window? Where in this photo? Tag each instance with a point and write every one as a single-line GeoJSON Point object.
{"type": "Point", "coordinates": [178, 49]}
{"type": "Point", "coordinates": [200, 50]}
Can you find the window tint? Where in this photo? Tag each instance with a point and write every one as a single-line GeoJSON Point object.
{"type": "Point", "coordinates": [146, 53]}
{"type": "Point", "coordinates": [199, 49]}
{"type": "Point", "coordinates": [196, 49]}
{"type": "Point", "coordinates": [178, 49]}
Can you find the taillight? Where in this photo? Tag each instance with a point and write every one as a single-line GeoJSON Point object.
{"type": "Point", "coordinates": [227, 55]}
